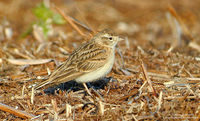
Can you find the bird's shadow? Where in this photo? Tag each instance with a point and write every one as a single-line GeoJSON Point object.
{"type": "Point", "coordinates": [74, 86]}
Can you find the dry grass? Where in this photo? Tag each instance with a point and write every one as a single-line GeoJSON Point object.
{"type": "Point", "coordinates": [156, 75]}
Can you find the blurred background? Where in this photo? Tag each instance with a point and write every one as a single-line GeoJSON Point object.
{"type": "Point", "coordinates": [144, 22]}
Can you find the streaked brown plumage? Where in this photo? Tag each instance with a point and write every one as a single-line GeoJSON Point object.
{"type": "Point", "coordinates": [89, 62]}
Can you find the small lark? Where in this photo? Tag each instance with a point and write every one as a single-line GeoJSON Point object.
{"type": "Point", "coordinates": [91, 61]}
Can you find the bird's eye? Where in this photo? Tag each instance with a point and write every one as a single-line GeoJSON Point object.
{"type": "Point", "coordinates": [110, 38]}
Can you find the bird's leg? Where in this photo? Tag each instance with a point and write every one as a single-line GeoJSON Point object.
{"type": "Point", "coordinates": [87, 90]}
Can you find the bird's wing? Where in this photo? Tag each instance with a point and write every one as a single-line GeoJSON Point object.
{"type": "Point", "coordinates": [83, 64]}
{"type": "Point", "coordinates": [93, 61]}
{"type": "Point", "coordinates": [83, 60]}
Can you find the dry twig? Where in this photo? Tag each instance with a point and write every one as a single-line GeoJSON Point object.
{"type": "Point", "coordinates": [70, 20]}
{"type": "Point", "coordinates": [16, 112]}
{"type": "Point", "coordinates": [147, 78]}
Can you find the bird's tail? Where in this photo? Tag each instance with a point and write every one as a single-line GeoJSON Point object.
{"type": "Point", "coordinates": [38, 86]}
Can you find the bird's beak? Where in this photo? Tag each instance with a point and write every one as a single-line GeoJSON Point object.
{"type": "Point", "coordinates": [120, 39]}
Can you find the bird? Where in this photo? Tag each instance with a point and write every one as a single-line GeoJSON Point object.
{"type": "Point", "coordinates": [91, 61]}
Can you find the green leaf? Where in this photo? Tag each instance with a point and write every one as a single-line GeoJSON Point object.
{"type": "Point", "coordinates": [58, 19]}
{"type": "Point", "coordinates": [26, 33]}
{"type": "Point", "coordinates": [46, 17]}
{"type": "Point", "coordinates": [42, 12]}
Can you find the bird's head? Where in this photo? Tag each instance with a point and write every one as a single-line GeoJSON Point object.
{"type": "Point", "coordinates": [107, 38]}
